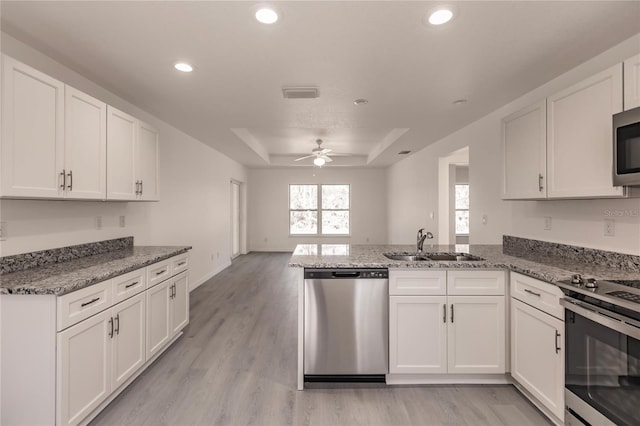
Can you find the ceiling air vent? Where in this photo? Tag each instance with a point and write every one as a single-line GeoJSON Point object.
{"type": "Point", "coordinates": [404, 152]}
{"type": "Point", "coordinates": [300, 92]}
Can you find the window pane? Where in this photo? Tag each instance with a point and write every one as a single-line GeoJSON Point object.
{"type": "Point", "coordinates": [303, 197]}
{"type": "Point", "coordinates": [303, 222]}
{"type": "Point", "coordinates": [335, 222]}
{"type": "Point", "coordinates": [462, 196]}
{"type": "Point", "coordinates": [462, 222]}
{"type": "Point", "coordinates": [335, 196]}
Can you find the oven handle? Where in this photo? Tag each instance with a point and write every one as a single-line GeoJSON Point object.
{"type": "Point", "coordinates": [612, 320]}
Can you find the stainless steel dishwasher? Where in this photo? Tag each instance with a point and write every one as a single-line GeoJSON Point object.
{"type": "Point", "coordinates": [346, 327]}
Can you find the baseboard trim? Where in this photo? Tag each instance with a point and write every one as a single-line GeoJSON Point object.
{"type": "Point", "coordinates": [448, 379]}
{"type": "Point", "coordinates": [210, 275]}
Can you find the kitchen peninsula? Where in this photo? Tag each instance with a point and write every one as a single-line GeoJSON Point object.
{"type": "Point", "coordinates": [480, 343]}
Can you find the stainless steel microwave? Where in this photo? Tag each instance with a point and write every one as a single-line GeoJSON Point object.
{"type": "Point", "coordinates": [626, 148]}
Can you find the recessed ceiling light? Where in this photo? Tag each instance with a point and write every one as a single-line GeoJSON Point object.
{"type": "Point", "coordinates": [440, 15]}
{"type": "Point", "coordinates": [183, 66]}
{"type": "Point", "coordinates": [266, 15]}
{"type": "Point", "coordinates": [360, 101]}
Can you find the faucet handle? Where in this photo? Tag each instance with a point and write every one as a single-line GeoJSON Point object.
{"type": "Point", "coordinates": [429, 235]}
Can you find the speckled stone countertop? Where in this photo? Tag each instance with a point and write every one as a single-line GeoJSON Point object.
{"type": "Point", "coordinates": [545, 268]}
{"type": "Point", "coordinates": [65, 277]}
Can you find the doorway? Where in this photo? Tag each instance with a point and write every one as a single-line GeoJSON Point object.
{"type": "Point", "coordinates": [235, 218]}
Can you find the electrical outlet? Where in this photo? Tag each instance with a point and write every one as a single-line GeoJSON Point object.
{"type": "Point", "coordinates": [485, 219]}
{"type": "Point", "coordinates": [123, 222]}
{"type": "Point", "coordinates": [98, 222]}
{"type": "Point", "coordinates": [609, 228]}
{"type": "Point", "coordinates": [3, 231]}
{"type": "Point", "coordinates": [547, 223]}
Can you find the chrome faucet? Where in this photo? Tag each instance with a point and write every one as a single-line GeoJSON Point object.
{"type": "Point", "coordinates": [420, 239]}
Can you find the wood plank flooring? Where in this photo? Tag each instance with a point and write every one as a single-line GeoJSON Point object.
{"type": "Point", "coordinates": [236, 365]}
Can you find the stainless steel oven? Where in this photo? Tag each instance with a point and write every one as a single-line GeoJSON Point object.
{"type": "Point", "coordinates": [626, 148]}
{"type": "Point", "coordinates": [602, 364]}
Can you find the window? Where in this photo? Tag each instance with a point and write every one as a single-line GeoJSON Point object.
{"type": "Point", "coordinates": [462, 209]}
{"type": "Point", "coordinates": [319, 209]}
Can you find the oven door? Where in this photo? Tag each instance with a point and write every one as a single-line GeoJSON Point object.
{"type": "Point", "coordinates": [602, 369]}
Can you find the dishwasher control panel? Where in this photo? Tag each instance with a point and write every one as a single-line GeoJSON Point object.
{"type": "Point", "coordinates": [347, 273]}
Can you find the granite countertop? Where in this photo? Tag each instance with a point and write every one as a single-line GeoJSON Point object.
{"type": "Point", "coordinates": [64, 277]}
{"type": "Point", "coordinates": [546, 268]}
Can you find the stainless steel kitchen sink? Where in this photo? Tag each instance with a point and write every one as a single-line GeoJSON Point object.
{"type": "Point", "coordinates": [458, 257]}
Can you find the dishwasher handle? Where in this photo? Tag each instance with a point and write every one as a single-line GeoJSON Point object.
{"type": "Point", "coordinates": [346, 274]}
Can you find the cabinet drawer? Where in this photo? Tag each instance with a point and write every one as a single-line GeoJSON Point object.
{"type": "Point", "coordinates": [179, 263]}
{"type": "Point", "coordinates": [538, 294]}
{"type": "Point", "coordinates": [475, 283]}
{"type": "Point", "coordinates": [129, 284]}
{"type": "Point", "coordinates": [81, 304]}
{"type": "Point", "coordinates": [158, 272]}
{"type": "Point", "coordinates": [417, 282]}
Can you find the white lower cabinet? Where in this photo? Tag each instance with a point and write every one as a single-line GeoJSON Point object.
{"type": "Point", "coordinates": [97, 355]}
{"type": "Point", "coordinates": [449, 334]}
{"type": "Point", "coordinates": [84, 368]}
{"type": "Point", "coordinates": [167, 311]}
{"type": "Point", "coordinates": [537, 343]}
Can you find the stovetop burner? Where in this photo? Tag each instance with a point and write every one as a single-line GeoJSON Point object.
{"type": "Point", "coordinates": [628, 283]}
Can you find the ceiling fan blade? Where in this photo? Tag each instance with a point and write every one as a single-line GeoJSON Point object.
{"type": "Point", "coordinates": [340, 154]}
{"type": "Point", "coordinates": [325, 151]}
{"type": "Point", "coordinates": [304, 158]}
{"type": "Point", "coordinates": [326, 158]}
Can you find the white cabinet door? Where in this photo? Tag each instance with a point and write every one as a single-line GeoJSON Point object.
{"type": "Point", "coordinates": [147, 163]}
{"type": "Point", "coordinates": [180, 303]}
{"type": "Point", "coordinates": [524, 149]}
{"type": "Point", "coordinates": [476, 334]}
{"type": "Point", "coordinates": [121, 155]}
{"type": "Point", "coordinates": [159, 307]}
{"type": "Point", "coordinates": [417, 334]}
{"type": "Point", "coordinates": [537, 358]}
{"type": "Point", "coordinates": [632, 83]}
{"type": "Point", "coordinates": [128, 344]}
{"type": "Point", "coordinates": [579, 129]}
{"type": "Point", "coordinates": [83, 367]}
{"type": "Point", "coordinates": [85, 146]}
{"type": "Point", "coordinates": [32, 132]}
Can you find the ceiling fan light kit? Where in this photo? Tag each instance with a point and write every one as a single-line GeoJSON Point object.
{"type": "Point", "coordinates": [319, 161]}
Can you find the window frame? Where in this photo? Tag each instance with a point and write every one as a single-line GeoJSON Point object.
{"type": "Point", "coordinates": [319, 210]}
{"type": "Point", "coordinates": [456, 210]}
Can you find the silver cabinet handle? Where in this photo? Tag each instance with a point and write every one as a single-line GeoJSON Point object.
{"type": "Point", "coordinates": [540, 187]}
{"type": "Point", "coordinates": [131, 285]}
{"type": "Point", "coordinates": [161, 272]}
{"type": "Point", "coordinates": [111, 325]}
{"type": "Point", "coordinates": [557, 346]}
{"type": "Point", "coordinates": [531, 292]}
{"type": "Point", "coordinates": [444, 313]}
{"type": "Point", "coordinates": [452, 313]}
{"type": "Point", "coordinates": [70, 174]}
{"type": "Point", "coordinates": [64, 179]}
{"type": "Point", "coordinates": [182, 263]}
{"type": "Point", "coordinates": [141, 187]}
{"type": "Point", "coordinates": [82, 305]}
{"type": "Point", "coordinates": [118, 324]}
{"type": "Point", "coordinates": [137, 187]}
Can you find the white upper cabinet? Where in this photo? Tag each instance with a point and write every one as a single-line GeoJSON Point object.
{"type": "Point", "coordinates": [85, 146]}
{"type": "Point", "coordinates": [32, 147]}
{"type": "Point", "coordinates": [579, 132]}
{"type": "Point", "coordinates": [121, 154]}
{"type": "Point", "coordinates": [632, 82]}
{"type": "Point", "coordinates": [524, 148]}
{"type": "Point", "coordinates": [147, 163]}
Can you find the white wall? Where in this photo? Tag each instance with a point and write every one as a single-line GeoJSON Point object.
{"type": "Point", "coordinates": [574, 222]}
{"type": "Point", "coordinates": [194, 206]}
{"type": "Point", "coordinates": [269, 206]}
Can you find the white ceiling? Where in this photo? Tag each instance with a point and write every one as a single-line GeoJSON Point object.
{"type": "Point", "coordinates": [490, 54]}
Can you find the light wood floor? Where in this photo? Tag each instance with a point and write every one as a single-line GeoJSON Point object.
{"type": "Point", "coordinates": [236, 365]}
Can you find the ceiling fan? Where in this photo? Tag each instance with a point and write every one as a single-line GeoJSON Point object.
{"type": "Point", "coordinates": [321, 155]}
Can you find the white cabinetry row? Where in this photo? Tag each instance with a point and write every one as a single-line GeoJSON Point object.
{"type": "Point", "coordinates": [102, 337]}
{"type": "Point", "coordinates": [561, 146]}
{"type": "Point", "coordinates": [537, 343]}
{"type": "Point", "coordinates": [446, 322]}
{"type": "Point", "coordinates": [60, 143]}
